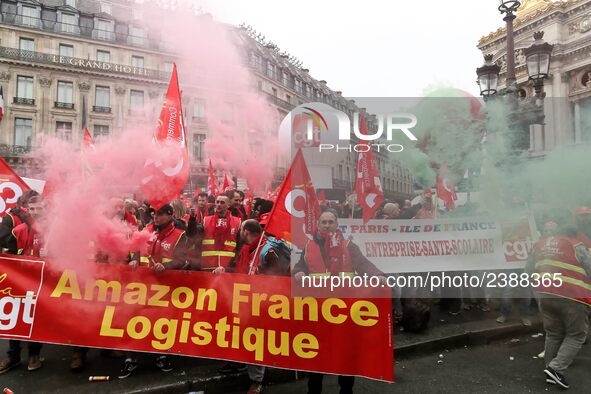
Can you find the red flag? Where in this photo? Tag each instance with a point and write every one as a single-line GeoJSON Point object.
{"type": "Point", "coordinates": [367, 183]}
{"type": "Point", "coordinates": [197, 191]}
{"type": "Point", "coordinates": [164, 182]}
{"type": "Point", "coordinates": [296, 211]}
{"type": "Point", "coordinates": [11, 187]}
{"type": "Point", "coordinates": [228, 184]}
{"type": "Point", "coordinates": [212, 183]}
{"type": "Point", "coordinates": [88, 141]}
{"type": "Point", "coordinates": [321, 196]}
{"type": "Point", "coordinates": [446, 190]}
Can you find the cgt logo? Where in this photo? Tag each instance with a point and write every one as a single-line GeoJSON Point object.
{"type": "Point", "coordinates": [309, 126]}
{"type": "Point", "coordinates": [20, 283]}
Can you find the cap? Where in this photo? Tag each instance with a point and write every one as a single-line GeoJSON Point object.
{"type": "Point", "coordinates": [165, 210]}
{"type": "Point", "coordinates": [583, 211]}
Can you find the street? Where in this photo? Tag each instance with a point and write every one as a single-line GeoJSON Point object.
{"type": "Point", "coordinates": [482, 369]}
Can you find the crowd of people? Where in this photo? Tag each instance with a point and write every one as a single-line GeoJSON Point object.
{"type": "Point", "coordinates": [225, 234]}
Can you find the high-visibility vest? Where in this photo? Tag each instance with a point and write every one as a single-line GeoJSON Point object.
{"type": "Point", "coordinates": [218, 254]}
{"type": "Point", "coordinates": [317, 266]}
{"type": "Point", "coordinates": [555, 258]}
{"type": "Point", "coordinates": [161, 249]}
{"type": "Point", "coordinates": [28, 241]}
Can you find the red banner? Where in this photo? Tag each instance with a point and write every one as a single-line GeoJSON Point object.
{"type": "Point", "coordinates": [11, 187]}
{"type": "Point", "coordinates": [251, 319]}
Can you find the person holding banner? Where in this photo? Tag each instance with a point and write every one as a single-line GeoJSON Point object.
{"type": "Point", "coordinates": [257, 256]}
{"type": "Point", "coordinates": [168, 251]}
{"type": "Point", "coordinates": [220, 236]}
{"type": "Point", "coordinates": [564, 285]}
{"type": "Point", "coordinates": [27, 241]}
{"type": "Point", "coordinates": [331, 254]}
{"type": "Point", "coordinates": [16, 216]}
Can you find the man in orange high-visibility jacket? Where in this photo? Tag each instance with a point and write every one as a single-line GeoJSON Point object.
{"type": "Point", "coordinates": [564, 267]}
{"type": "Point", "coordinates": [220, 235]}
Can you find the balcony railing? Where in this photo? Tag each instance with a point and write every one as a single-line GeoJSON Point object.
{"type": "Point", "coordinates": [67, 28]}
{"type": "Point", "coordinates": [104, 110]}
{"type": "Point", "coordinates": [60, 105]}
{"type": "Point", "coordinates": [14, 149]}
{"type": "Point", "coordinates": [105, 35]}
{"type": "Point", "coordinates": [81, 64]}
{"type": "Point", "coordinates": [31, 21]}
{"type": "Point", "coordinates": [24, 101]}
{"type": "Point", "coordinates": [279, 102]}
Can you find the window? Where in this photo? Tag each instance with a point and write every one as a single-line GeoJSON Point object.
{"type": "Point", "coordinates": [274, 92]}
{"type": "Point", "coordinates": [136, 99]}
{"type": "Point", "coordinates": [168, 67]}
{"type": "Point", "coordinates": [288, 98]}
{"type": "Point", "coordinates": [308, 90]}
{"type": "Point", "coordinates": [285, 78]}
{"type": "Point", "coordinates": [104, 29]}
{"type": "Point", "coordinates": [69, 23]}
{"type": "Point", "coordinates": [102, 97]}
{"type": "Point", "coordinates": [198, 143]}
{"type": "Point", "coordinates": [24, 87]}
{"type": "Point", "coordinates": [65, 92]}
{"type": "Point", "coordinates": [271, 70]}
{"type": "Point", "coordinates": [255, 60]}
{"type": "Point", "coordinates": [106, 8]}
{"type": "Point", "coordinates": [100, 131]}
{"type": "Point", "coordinates": [103, 56]}
{"type": "Point", "coordinates": [298, 85]}
{"type": "Point", "coordinates": [137, 36]}
{"type": "Point", "coordinates": [71, 3]}
{"type": "Point", "coordinates": [199, 109]}
{"type": "Point", "coordinates": [137, 61]}
{"type": "Point", "coordinates": [27, 44]}
{"type": "Point", "coordinates": [63, 130]}
{"type": "Point", "coordinates": [66, 50]}
{"type": "Point", "coordinates": [23, 132]}
{"type": "Point", "coordinates": [30, 16]}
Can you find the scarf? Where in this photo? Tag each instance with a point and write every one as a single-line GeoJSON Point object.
{"type": "Point", "coordinates": [335, 247]}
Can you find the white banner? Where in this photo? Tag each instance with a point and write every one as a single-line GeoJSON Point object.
{"type": "Point", "coordinates": [459, 244]}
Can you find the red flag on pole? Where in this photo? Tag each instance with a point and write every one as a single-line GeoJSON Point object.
{"type": "Point", "coordinates": [197, 191]}
{"type": "Point", "coordinates": [162, 181]}
{"type": "Point", "coordinates": [88, 141]}
{"type": "Point", "coordinates": [295, 213]}
{"type": "Point", "coordinates": [228, 184]}
{"type": "Point", "coordinates": [212, 183]}
{"type": "Point", "coordinates": [12, 187]}
{"type": "Point", "coordinates": [446, 191]}
{"type": "Point", "coordinates": [367, 182]}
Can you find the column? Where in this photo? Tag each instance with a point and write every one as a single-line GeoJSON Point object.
{"type": "Point", "coordinates": [577, 122]}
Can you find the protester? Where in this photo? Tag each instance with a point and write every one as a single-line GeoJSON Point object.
{"type": "Point", "coordinates": [26, 240]}
{"type": "Point", "coordinates": [331, 254]}
{"type": "Point", "coordinates": [16, 216]}
{"type": "Point", "coordinates": [258, 255]}
{"type": "Point", "coordinates": [219, 237]}
{"type": "Point", "coordinates": [236, 208]}
{"type": "Point", "coordinates": [168, 251]}
{"type": "Point", "coordinates": [565, 305]}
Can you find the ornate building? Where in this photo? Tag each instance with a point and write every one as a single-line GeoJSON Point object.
{"type": "Point", "coordinates": [70, 64]}
{"type": "Point", "coordinates": [567, 107]}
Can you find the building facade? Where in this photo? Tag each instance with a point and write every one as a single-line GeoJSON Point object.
{"type": "Point", "coordinates": [70, 64]}
{"type": "Point", "coordinates": [567, 106]}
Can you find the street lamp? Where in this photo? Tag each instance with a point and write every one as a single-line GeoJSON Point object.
{"type": "Point", "coordinates": [538, 62]}
{"type": "Point", "coordinates": [488, 77]}
{"type": "Point", "coordinates": [510, 7]}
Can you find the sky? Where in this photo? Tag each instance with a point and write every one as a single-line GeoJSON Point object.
{"type": "Point", "coordinates": [374, 48]}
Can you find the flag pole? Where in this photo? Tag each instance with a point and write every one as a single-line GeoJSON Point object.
{"type": "Point", "coordinates": [255, 254]}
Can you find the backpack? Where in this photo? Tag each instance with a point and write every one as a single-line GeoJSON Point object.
{"type": "Point", "coordinates": [281, 250]}
{"type": "Point", "coordinates": [415, 315]}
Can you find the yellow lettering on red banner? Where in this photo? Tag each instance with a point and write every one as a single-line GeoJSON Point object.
{"type": "Point", "coordinates": [257, 346]}
{"type": "Point", "coordinates": [364, 309]}
{"type": "Point", "coordinates": [211, 295]}
{"type": "Point", "coordinates": [182, 292]}
{"type": "Point", "coordinates": [184, 337]}
{"type": "Point", "coordinates": [236, 333]}
{"type": "Point", "coordinates": [298, 307]}
{"type": "Point", "coordinates": [103, 286]}
{"type": "Point", "coordinates": [280, 310]}
{"type": "Point", "coordinates": [135, 294]}
{"type": "Point", "coordinates": [327, 306]}
{"type": "Point", "coordinates": [106, 329]}
{"type": "Point", "coordinates": [201, 329]}
{"type": "Point", "coordinates": [156, 299]}
{"type": "Point", "coordinates": [165, 331]}
{"type": "Point", "coordinates": [222, 328]}
{"type": "Point", "coordinates": [283, 347]}
{"type": "Point", "coordinates": [68, 284]}
{"type": "Point", "coordinates": [237, 297]}
{"type": "Point", "coordinates": [257, 298]}
{"type": "Point", "coordinates": [144, 330]}
{"type": "Point", "coordinates": [305, 345]}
